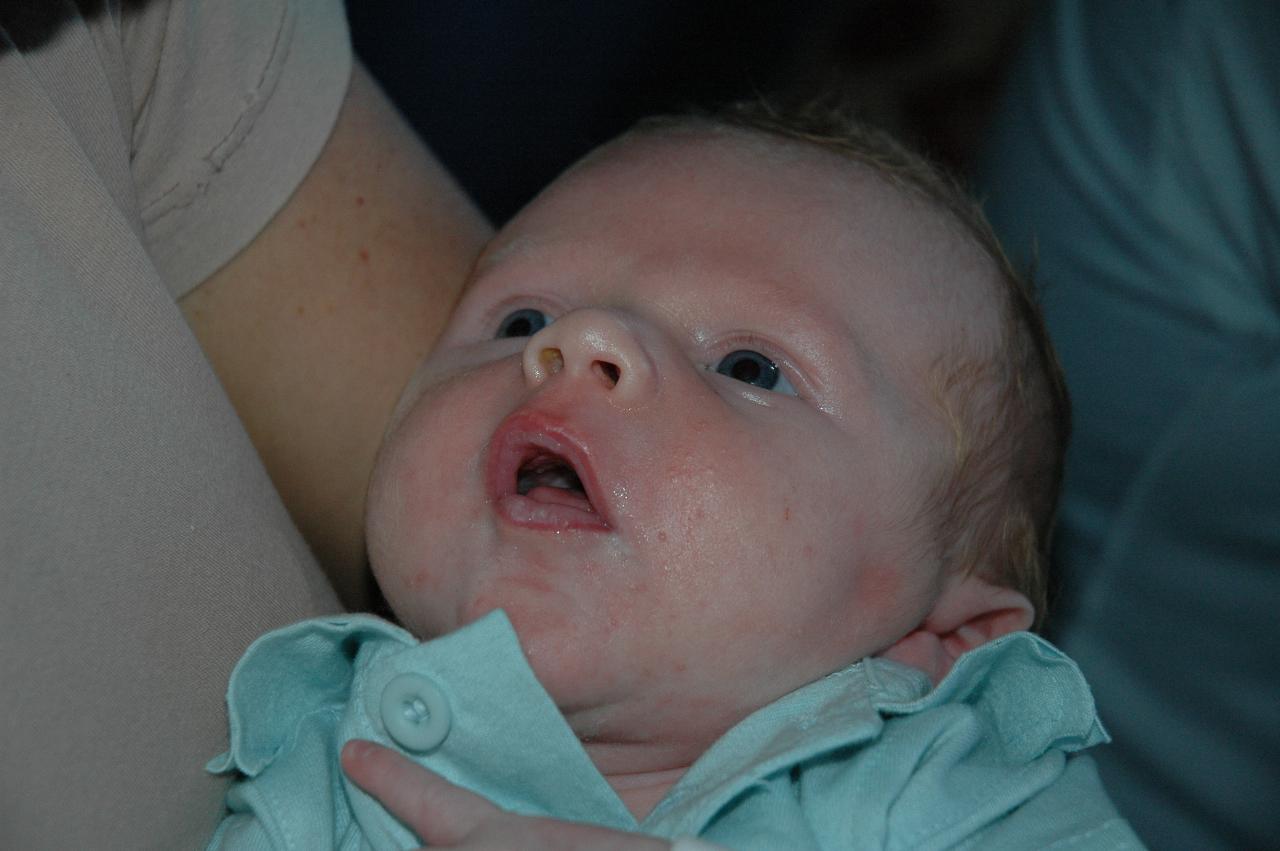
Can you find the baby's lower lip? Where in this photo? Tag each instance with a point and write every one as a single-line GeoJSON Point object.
{"type": "Point", "coordinates": [549, 509]}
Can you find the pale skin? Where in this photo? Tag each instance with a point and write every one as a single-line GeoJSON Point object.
{"type": "Point", "coordinates": [732, 541]}
{"type": "Point", "coordinates": [314, 328]}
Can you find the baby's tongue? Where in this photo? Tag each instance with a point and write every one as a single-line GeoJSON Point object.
{"type": "Point", "coordinates": [560, 496]}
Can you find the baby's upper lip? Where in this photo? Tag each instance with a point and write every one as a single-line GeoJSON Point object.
{"type": "Point", "coordinates": [528, 435]}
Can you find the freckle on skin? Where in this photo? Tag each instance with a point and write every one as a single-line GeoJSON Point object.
{"type": "Point", "coordinates": [301, 310]}
{"type": "Point", "coordinates": [786, 513]}
{"type": "Point", "coordinates": [302, 224]}
{"type": "Point", "coordinates": [359, 200]}
{"type": "Point", "coordinates": [364, 255]}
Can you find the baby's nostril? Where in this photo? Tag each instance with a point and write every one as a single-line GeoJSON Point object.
{"type": "Point", "coordinates": [552, 361]}
{"type": "Point", "coordinates": [608, 371]}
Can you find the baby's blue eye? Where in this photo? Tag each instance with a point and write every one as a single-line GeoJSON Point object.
{"type": "Point", "coordinates": [755, 369]}
{"type": "Point", "coordinates": [522, 323]}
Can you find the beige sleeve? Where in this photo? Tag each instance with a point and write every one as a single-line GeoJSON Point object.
{"type": "Point", "coordinates": [233, 100]}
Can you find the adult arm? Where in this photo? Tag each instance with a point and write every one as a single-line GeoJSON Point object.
{"type": "Point", "coordinates": [315, 327]}
{"type": "Point", "coordinates": [142, 546]}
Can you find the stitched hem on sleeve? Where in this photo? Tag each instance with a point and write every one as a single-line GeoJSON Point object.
{"type": "Point", "coordinates": [196, 226]}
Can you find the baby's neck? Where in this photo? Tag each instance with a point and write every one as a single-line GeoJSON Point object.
{"type": "Point", "coordinates": [642, 792]}
{"type": "Point", "coordinates": [641, 775]}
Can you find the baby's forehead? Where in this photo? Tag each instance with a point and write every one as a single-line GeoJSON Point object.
{"type": "Point", "coordinates": [832, 232]}
{"type": "Point", "coordinates": [791, 173]}
{"type": "Point", "coordinates": [869, 217]}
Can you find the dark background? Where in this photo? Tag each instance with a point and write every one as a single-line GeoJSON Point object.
{"type": "Point", "coordinates": [509, 92]}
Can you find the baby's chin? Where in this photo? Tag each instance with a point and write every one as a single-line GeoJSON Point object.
{"type": "Point", "coordinates": [553, 653]}
{"type": "Point", "coordinates": [569, 666]}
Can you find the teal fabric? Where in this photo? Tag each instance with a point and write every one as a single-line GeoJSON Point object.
{"type": "Point", "coordinates": [868, 757]}
{"type": "Point", "coordinates": [1135, 162]}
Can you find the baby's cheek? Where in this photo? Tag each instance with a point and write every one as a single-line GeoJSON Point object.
{"type": "Point", "coordinates": [879, 588]}
{"type": "Point", "coordinates": [425, 582]}
{"type": "Point", "coordinates": [411, 509]}
{"type": "Point", "coordinates": [399, 492]}
{"type": "Point", "coordinates": [896, 598]}
{"type": "Point", "coordinates": [383, 511]}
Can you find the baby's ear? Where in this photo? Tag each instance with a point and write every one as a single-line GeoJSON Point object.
{"type": "Point", "coordinates": [969, 611]}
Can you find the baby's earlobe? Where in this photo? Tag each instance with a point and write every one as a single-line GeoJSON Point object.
{"type": "Point", "coordinates": [969, 612]}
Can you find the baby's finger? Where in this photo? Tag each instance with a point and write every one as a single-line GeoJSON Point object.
{"type": "Point", "coordinates": [438, 811]}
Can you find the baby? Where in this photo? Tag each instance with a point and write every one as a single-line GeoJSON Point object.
{"type": "Point", "coordinates": [742, 438]}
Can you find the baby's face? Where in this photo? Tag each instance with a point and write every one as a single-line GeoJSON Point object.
{"type": "Point", "coordinates": [694, 489]}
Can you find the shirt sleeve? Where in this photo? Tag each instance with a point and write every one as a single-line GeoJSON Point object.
{"type": "Point", "coordinates": [688, 843]}
{"type": "Point", "coordinates": [233, 101]}
{"type": "Point", "coordinates": [1072, 812]}
{"type": "Point", "coordinates": [241, 832]}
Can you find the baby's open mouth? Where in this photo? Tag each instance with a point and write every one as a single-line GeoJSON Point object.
{"type": "Point", "coordinates": [548, 478]}
{"type": "Point", "coordinates": [540, 476]}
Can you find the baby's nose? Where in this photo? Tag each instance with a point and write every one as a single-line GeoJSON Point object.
{"type": "Point", "coordinates": [595, 346]}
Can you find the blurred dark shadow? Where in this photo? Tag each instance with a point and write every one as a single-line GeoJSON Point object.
{"type": "Point", "coordinates": [509, 92]}
{"type": "Point", "coordinates": [32, 23]}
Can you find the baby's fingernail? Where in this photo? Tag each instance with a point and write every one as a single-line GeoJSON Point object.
{"type": "Point", "coordinates": [357, 749]}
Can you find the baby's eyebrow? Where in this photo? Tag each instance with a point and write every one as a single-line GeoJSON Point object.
{"type": "Point", "coordinates": [800, 316]}
{"type": "Point", "coordinates": [859, 361]}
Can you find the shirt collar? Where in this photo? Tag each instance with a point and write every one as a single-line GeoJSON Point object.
{"type": "Point", "coordinates": [508, 741]}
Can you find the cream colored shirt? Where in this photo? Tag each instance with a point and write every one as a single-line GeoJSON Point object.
{"type": "Point", "coordinates": [142, 545]}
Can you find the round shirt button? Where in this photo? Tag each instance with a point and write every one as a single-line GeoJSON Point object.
{"type": "Point", "coordinates": [415, 712]}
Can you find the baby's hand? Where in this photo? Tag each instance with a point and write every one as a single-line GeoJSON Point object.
{"type": "Point", "coordinates": [443, 814]}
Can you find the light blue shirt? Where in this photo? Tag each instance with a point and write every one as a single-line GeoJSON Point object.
{"type": "Point", "coordinates": [868, 757]}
